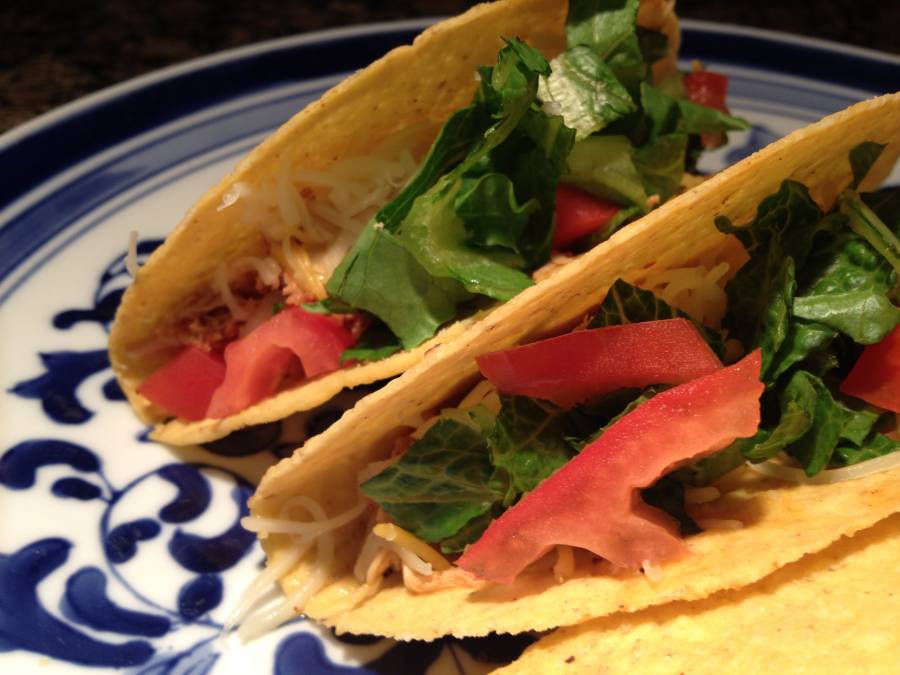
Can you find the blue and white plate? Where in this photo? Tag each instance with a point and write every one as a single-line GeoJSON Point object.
{"type": "Point", "coordinates": [119, 553]}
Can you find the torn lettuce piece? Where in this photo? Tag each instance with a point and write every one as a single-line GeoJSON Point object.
{"type": "Point", "coordinates": [528, 441]}
{"type": "Point", "coordinates": [490, 212]}
{"type": "Point", "coordinates": [761, 293]}
{"type": "Point", "coordinates": [625, 303]}
{"type": "Point", "coordinates": [609, 29]}
{"type": "Point", "coordinates": [382, 277]}
{"type": "Point", "coordinates": [798, 403]}
{"type": "Point", "coordinates": [442, 482]}
{"type": "Point", "coordinates": [584, 91]}
{"type": "Point", "coordinates": [376, 343]}
{"type": "Point", "coordinates": [604, 167]}
{"type": "Point", "coordinates": [862, 157]}
{"type": "Point", "coordinates": [866, 223]}
{"type": "Point", "coordinates": [419, 259]}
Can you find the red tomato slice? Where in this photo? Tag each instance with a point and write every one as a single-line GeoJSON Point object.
{"type": "Point", "coordinates": [185, 385]}
{"type": "Point", "coordinates": [257, 363]}
{"type": "Point", "coordinates": [707, 88]}
{"type": "Point", "coordinates": [875, 378]}
{"type": "Point", "coordinates": [585, 364]}
{"type": "Point", "coordinates": [578, 214]}
{"type": "Point", "coordinates": [592, 502]}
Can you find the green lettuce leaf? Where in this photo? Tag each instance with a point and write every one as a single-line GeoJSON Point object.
{"type": "Point", "coordinates": [376, 343]}
{"type": "Point", "coordinates": [609, 29]}
{"type": "Point", "coordinates": [862, 157]}
{"type": "Point", "coordinates": [867, 316]}
{"type": "Point", "coordinates": [866, 223]}
{"type": "Point", "coordinates": [877, 446]}
{"type": "Point", "coordinates": [528, 440]}
{"type": "Point", "coordinates": [489, 210]}
{"type": "Point", "coordinates": [420, 258]}
{"type": "Point", "coordinates": [798, 404]}
{"type": "Point", "coordinates": [583, 89]}
{"type": "Point", "coordinates": [761, 293]}
{"type": "Point", "coordinates": [699, 119]}
{"type": "Point", "coordinates": [625, 303]}
{"type": "Point", "coordinates": [886, 205]}
{"type": "Point", "coordinates": [661, 164]}
{"type": "Point", "coordinates": [381, 276]}
{"type": "Point", "coordinates": [604, 167]}
{"type": "Point", "coordinates": [832, 422]}
{"type": "Point", "coordinates": [441, 483]}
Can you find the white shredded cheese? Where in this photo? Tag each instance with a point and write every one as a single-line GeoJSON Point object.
{"type": "Point", "coordinates": [719, 524]}
{"type": "Point", "coordinates": [776, 469]}
{"type": "Point", "coordinates": [653, 573]}
{"type": "Point", "coordinates": [702, 495]}
{"type": "Point", "coordinates": [319, 532]}
{"type": "Point", "coordinates": [131, 259]}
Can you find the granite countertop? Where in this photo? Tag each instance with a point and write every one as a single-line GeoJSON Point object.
{"type": "Point", "coordinates": [54, 52]}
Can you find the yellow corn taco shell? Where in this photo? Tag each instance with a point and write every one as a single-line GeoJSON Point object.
{"type": "Point", "coordinates": [832, 612]}
{"type": "Point", "coordinates": [781, 524]}
{"type": "Point", "coordinates": [402, 99]}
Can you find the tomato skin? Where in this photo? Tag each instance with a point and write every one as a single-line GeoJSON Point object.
{"type": "Point", "coordinates": [875, 377]}
{"type": "Point", "coordinates": [585, 364]}
{"type": "Point", "coordinates": [707, 88]}
{"type": "Point", "coordinates": [257, 363]}
{"type": "Point", "coordinates": [592, 501]}
{"type": "Point", "coordinates": [185, 385]}
{"type": "Point", "coordinates": [578, 214]}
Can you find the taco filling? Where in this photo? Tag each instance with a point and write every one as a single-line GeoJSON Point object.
{"type": "Point", "coordinates": [374, 255]}
{"type": "Point", "coordinates": [594, 447]}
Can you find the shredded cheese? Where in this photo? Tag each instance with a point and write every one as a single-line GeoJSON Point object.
{"type": "Point", "coordinates": [701, 495]}
{"type": "Point", "coordinates": [653, 573]}
{"type": "Point", "coordinates": [223, 288]}
{"type": "Point", "coordinates": [564, 568]}
{"type": "Point", "coordinates": [719, 524]}
{"type": "Point", "coordinates": [319, 532]}
{"type": "Point", "coordinates": [406, 541]}
{"type": "Point", "coordinates": [776, 469]}
{"type": "Point", "coordinates": [131, 259]}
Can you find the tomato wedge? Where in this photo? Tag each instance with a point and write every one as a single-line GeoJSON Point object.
{"type": "Point", "coordinates": [578, 366]}
{"type": "Point", "coordinates": [257, 363]}
{"type": "Point", "coordinates": [707, 88]}
{"type": "Point", "coordinates": [875, 377]}
{"type": "Point", "coordinates": [592, 502]}
{"type": "Point", "coordinates": [704, 87]}
{"type": "Point", "coordinates": [185, 385]}
{"type": "Point", "coordinates": [578, 214]}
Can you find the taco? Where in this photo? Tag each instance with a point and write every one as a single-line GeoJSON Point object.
{"type": "Point", "coordinates": [813, 611]}
{"type": "Point", "coordinates": [399, 519]}
{"type": "Point", "coordinates": [385, 218]}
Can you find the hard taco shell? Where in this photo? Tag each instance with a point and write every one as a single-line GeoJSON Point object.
{"type": "Point", "coordinates": [782, 524]}
{"type": "Point", "coordinates": [418, 85]}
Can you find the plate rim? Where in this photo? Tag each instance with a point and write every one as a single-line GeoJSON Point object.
{"type": "Point", "coordinates": [36, 125]}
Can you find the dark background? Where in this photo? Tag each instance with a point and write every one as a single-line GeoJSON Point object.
{"type": "Point", "coordinates": [52, 52]}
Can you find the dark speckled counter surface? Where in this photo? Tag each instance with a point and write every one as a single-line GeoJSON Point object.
{"type": "Point", "coordinates": [54, 51]}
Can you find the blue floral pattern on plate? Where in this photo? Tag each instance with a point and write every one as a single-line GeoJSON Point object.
{"type": "Point", "coordinates": [116, 552]}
